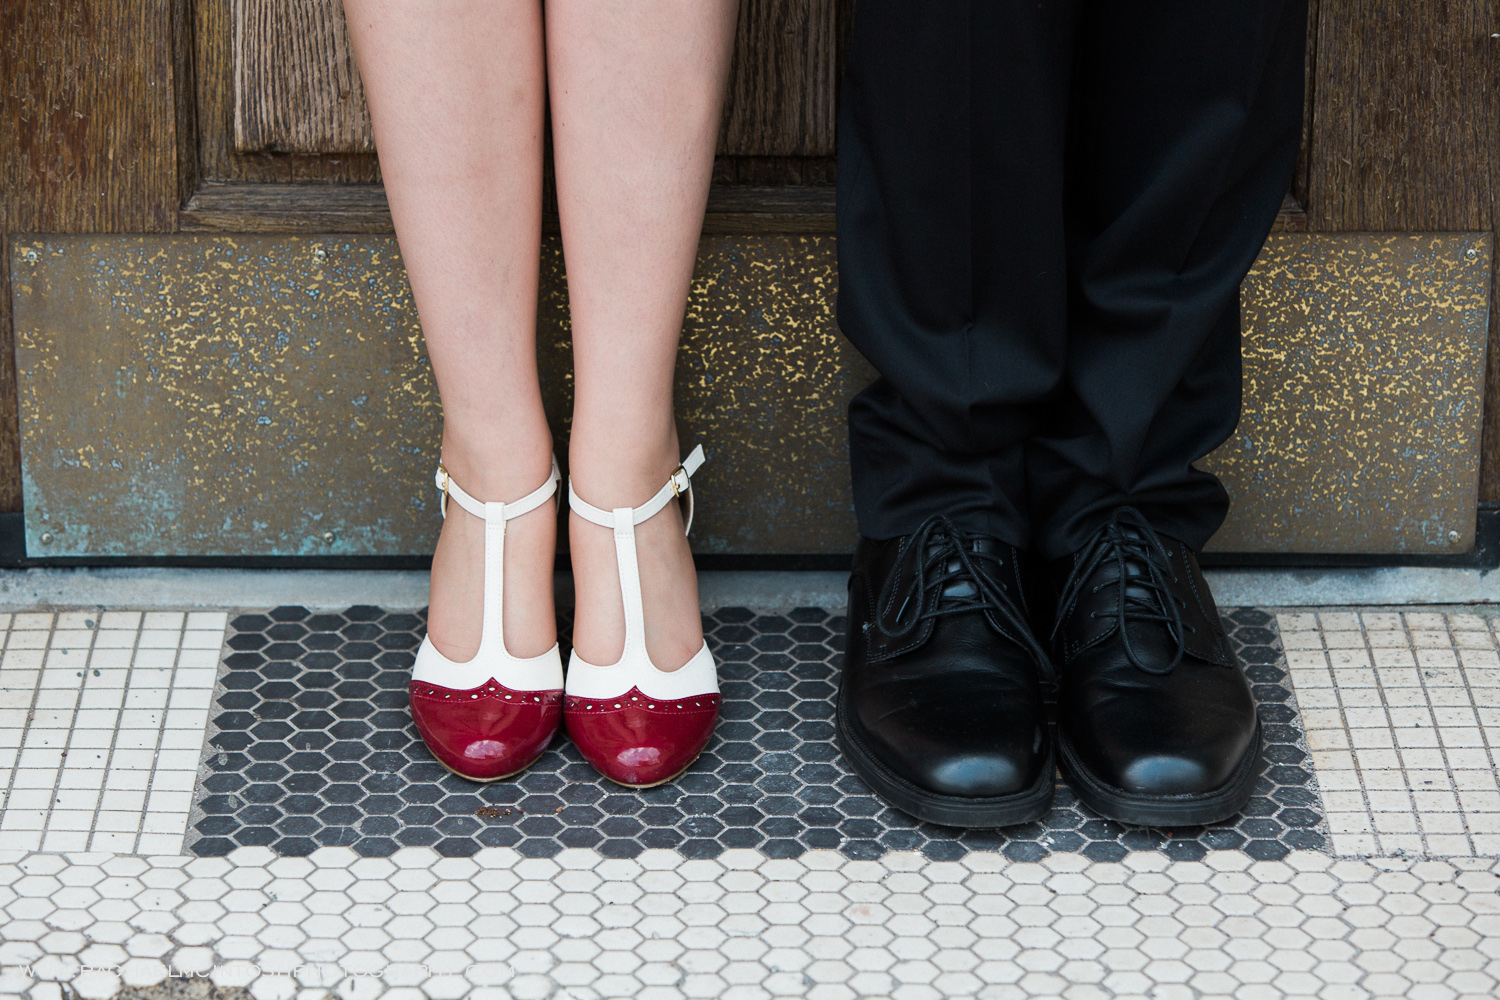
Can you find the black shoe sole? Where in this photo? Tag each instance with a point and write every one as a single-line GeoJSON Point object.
{"type": "Point", "coordinates": [945, 810]}
{"type": "Point", "coordinates": [1134, 809]}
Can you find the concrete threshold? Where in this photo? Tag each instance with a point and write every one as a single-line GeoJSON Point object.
{"type": "Point", "coordinates": [255, 588]}
{"type": "Point", "coordinates": [230, 588]}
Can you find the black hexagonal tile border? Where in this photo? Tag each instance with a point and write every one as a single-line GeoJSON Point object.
{"type": "Point", "coordinates": [311, 744]}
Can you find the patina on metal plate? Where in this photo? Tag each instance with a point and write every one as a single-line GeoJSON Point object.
{"type": "Point", "coordinates": [1364, 386]}
{"type": "Point", "coordinates": [270, 395]}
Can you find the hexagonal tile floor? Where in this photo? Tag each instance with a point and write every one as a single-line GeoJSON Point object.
{"type": "Point", "coordinates": [102, 716]}
{"type": "Point", "coordinates": [311, 745]}
{"type": "Point", "coordinates": [746, 927]}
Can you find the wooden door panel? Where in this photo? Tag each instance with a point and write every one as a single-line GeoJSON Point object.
{"type": "Point", "coordinates": [1402, 129]}
{"type": "Point", "coordinates": [297, 90]}
{"type": "Point", "coordinates": [783, 81]}
{"type": "Point", "coordinates": [89, 142]}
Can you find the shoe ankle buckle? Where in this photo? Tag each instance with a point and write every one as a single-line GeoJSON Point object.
{"type": "Point", "coordinates": [680, 481]}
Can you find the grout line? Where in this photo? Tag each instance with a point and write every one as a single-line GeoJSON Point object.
{"type": "Point", "coordinates": [1343, 710]}
{"type": "Point", "coordinates": [62, 766]}
{"type": "Point", "coordinates": [1485, 741]}
{"type": "Point", "coordinates": [1491, 750]}
{"type": "Point", "coordinates": [26, 724]}
{"type": "Point", "coordinates": [15, 768]}
{"type": "Point", "coordinates": [161, 735]}
{"type": "Point", "coordinates": [115, 736]}
{"type": "Point", "coordinates": [1391, 727]}
{"type": "Point", "coordinates": [1380, 837]}
{"type": "Point", "coordinates": [1437, 728]}
{"type": "Point", "coordinates": [1385, 712]}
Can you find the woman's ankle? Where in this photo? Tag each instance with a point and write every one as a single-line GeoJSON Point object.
{"type": "Point", "coordinates": [504, 474]}
{"type": "Point", "coordinates": [495, 474]}
{"type": "Point", "coordinates": [614, 470]}
{"type": "Point", "coordinates": [669, 591]}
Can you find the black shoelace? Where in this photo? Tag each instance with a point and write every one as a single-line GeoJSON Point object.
{"type": "Point", "coordinates": [1145, 594]}
{"type": "Point", "coordinates": [945, 555]}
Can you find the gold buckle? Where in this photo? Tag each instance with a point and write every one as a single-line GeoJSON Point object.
{"type": "Point", "coordinates": [442, 471]}
{"type": "Point", "coordinates": [673, 480]}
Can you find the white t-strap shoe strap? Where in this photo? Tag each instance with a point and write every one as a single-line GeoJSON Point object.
{"type": "Point", "coordinates": [492, 661]}
{"type": "Point", "coordinates": [679, 484]}
{"type": "Point", "coordinates": [528, 503]}
{"type": "Point", "coordinates": [634, 666]}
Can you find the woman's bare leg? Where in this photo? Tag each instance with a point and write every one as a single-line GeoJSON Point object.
{"type": "Point", "coordinates": [456, 91]}
{"type": "Point", "coordinates": [637, 91]}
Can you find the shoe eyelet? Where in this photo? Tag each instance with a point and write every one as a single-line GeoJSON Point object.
{"type": "Point", "coordinates": [650, 706]}
{"type": "Point", "coordinates": [618, 705]}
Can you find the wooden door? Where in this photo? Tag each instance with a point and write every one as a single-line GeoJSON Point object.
{"type": "Point", "coordinates": [282, 107]}
{"type": "Point", "coordinates": [175, 128]}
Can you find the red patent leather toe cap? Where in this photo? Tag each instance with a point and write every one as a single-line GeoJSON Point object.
{"type": "Point", "coordinates": [634, 740]}
{"type": "Point", "coordinates": [487, 732]}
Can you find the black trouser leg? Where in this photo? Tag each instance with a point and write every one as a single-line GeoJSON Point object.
{"type": "Point", "coordinates": [1184, 129]}
{"type": "Point", "coordinates": [1045, 211]}
{"type": "Point", "coordinates": [952, 262]}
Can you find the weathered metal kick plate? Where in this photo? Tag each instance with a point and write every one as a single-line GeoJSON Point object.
{"type": "Point", "coordinates": [1364, 388]}
{"type": "Point", "coordinates": [270, 395]}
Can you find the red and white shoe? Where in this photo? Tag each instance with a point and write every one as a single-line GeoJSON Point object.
{"type": "Point", "coordinates": [491, 716]}
{"type": "Point", "coordinates": [637, 724]}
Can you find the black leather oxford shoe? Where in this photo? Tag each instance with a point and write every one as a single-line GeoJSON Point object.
{"type": "Point", "coordinates": [940, 705]}
{"type": "Point", "coordinates": [1156, 722]}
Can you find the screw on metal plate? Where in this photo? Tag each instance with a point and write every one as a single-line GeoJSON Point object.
{"type": "Point", "coordinates": [1471, 254]}
{"type": "Point", "coordinates": [328, 537]}
{"type": "Point", "coordinates": [320, 254]}
{"type": "Point", "coordinates": [46, 538]}
{"type": "Point", "coordinates": [29, 256]}
{"type": "Point", "coordinates": [1453, 536]}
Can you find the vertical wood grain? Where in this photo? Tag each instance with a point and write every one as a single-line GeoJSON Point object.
{"type": "Point", "coordinates": [185, 98]}
{"type": "Point", "coordinates": [1309, 95]}
{"type": "Point", "coordinates": [783, 81]}
{"type": "Point", "coordinates": [296, 88]}
{"type": "Point", "coordinates": [1405, 115]}
{"type": "Point", "coordinates": [88, 141]}
{"type": "Point", "coordinates": [218, 158]}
